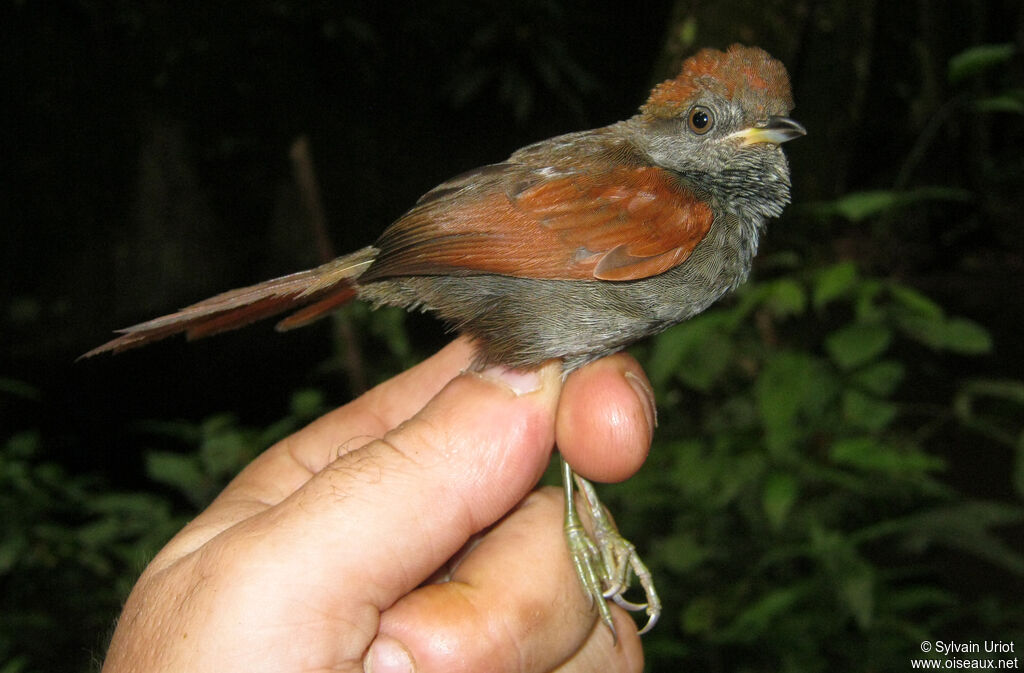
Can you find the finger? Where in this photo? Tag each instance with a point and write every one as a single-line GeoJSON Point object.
{"type": "Point", "coordinates": [606, 419]}
{"type": "Point", "coordinates": [391, 512]}
{"type": "Point", "coordinates": [383, 407]}
{"type": "Point", "coordinates": [513, 603]}
{"type": "Point", "coordinates": [290, 463]}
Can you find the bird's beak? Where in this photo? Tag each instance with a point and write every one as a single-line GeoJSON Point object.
{"type": "Point", "coordinates": [776, 131]}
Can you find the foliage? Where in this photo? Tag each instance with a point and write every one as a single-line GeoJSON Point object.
{"type": "Point", "coordinates": [978, 59]}
{"type": "Point", "coordinates": [794, 500]}
{"type": "Point", "coordinates": [220, 447]}
{"type": "Point", "coordinates": [71, 547]}
{"type": "Point", "coordinates": [69, 551]}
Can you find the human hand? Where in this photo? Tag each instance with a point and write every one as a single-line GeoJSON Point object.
{"type": "Point", "coordinates": [326, 552]}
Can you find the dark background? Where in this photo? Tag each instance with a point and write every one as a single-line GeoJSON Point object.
{"type": "Point", "coordinates": [146, 165]}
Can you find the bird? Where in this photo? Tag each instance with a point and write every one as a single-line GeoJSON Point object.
{"type": "Point", "coordinates": [571, 249]}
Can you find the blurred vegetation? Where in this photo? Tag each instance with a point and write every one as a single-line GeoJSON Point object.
{"type": "Point", "coordinates": [797, 503]}
{"type": "Point", "coordinates": [839, 468]}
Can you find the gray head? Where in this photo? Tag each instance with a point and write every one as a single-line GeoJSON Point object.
{"type": "Point", "coordinates": [719, 124]}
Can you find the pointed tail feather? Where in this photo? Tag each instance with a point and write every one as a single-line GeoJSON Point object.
{"type": "Point", "coordinates": [320, 290]}
{"type": "Point", "coordinates": [314, 312]}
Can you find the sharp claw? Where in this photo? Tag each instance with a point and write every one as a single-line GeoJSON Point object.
{"type": "Point", "coordinates": [653, 605]}
{"type": "Point", "coordinates": [614, 589]}
{"type": "Point", "coordinates": [652, 619]}
{"type": "Point", "coordinates": [627, 605]}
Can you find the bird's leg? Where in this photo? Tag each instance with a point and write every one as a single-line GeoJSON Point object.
{"type": "Point", "coordinates": [588, 560]}
{"type": "Point", "coordinates": [606, 560]}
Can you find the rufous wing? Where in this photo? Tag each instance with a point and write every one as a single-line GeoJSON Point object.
{"type": "Point", "coordinates": [619, 223]}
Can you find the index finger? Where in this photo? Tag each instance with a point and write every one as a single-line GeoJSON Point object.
{"type": "Point", "coordinates": [285, 467]}
{"type": "Point", "coordinates": [376, 411]}
{"type": "Point", "coordinates": [368, 417]}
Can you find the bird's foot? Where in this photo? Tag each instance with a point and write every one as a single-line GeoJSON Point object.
{"type": "Point", "coordinates": [590, 568]}
{"type": "Point", "coordinates": [605, 561]}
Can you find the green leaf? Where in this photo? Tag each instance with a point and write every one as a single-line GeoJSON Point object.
{"type": "Point", "coordinates": [13, 547]}
{"type": "Point", "coordinates": [1007, 103]}
{"type": "Point", "coordinates": [786, 298]}
{"type": "Point", "coordinates": [216, 423]}
{"type": "Point", "coordinates": [307, 403]}
{"type": "Point", "coordinates": [833, 282]}
{"type": "Point", "coordinates": [966, 336]}
{"type": "Point", "coordinates": [866, 412]}
{"type": "Point", "coordinates": [793, 392]}
{"type": "Point", "coordinates": [16, 664]}
{"type": "Point", "coordinates": [1007, 389]}
{"type": "Point", "coordinates": [183, 431]}
{"type": "Point", "coordinates": [998, 418]}
{"type": "Point", "coordinates": [389, 323]}
{"type": "Point", "coordinates": [175, 470]}
{"type": "Point", "coordinates": [968, 526]}
{"type": "Point", "coordinates": [699, 614]}
{"type": "Point", "coordinates": [881, 378]}
{"type": "Point", "coordinates": [915, 598]}
{"type": "Point", "coordinates": [866, 304]}
{"type": "Point", "coordinates": [682, 553]}
{"type": "Point", "coordinates": [862, 205]}
{"type": "Point", "coordinates": [696, 352]}
{"type": "Point", "coordinates": [927, 331]}
{"type": "Point", "coordinates": [23, 445]}
{"type": "Point", "coordinates": [978, 59]}
{"type": "Point", "coordinates": [16, 388]}
{"type": "Point", "coordinates": [687, 35]}
{"type": "Point", "coordinates": [706, 364]}
{"type": "Point", "coordinates": [915, 302]}
{"type": "Point", "coordinates": [98, 532]}
{"type": "Point", "coordinates": [852, 578]}
{"type": "Point", "coordinates": [857, 344]}
{"type": "Point", "coordinates": [780, 493]}
{"type": "Point", "coordinates": [867, 453]}
{"type": "Point", "coordinates": [959, 335]}
{"type": "Point", "coordinates": [859, 206]}
{"type": "Point", "coordinates": [857, 592]}
{"type": "Point", "coordinates": [226, 452]}
{"type": "Point", "coordinates": [751, 623]}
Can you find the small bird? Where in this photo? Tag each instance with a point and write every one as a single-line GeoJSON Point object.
{"type": "Point", "coordinates": [572, 249]}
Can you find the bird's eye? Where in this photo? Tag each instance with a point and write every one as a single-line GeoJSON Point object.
{"type": "Point", "coordinates": [700, 119]}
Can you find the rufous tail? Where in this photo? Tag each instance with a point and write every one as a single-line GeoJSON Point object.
{"type": "Point", "coordinates": [317, 291]}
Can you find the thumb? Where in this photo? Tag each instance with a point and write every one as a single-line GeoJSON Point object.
{"type": "Point", "coordinates": [393, 511]}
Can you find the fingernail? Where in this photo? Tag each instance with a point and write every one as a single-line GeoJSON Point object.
{"type": "Point", "coordinates": [518, 381]}
{"type": "Point", "coordinates": [387, 655]}
{"type": "Point", "coordinates": [646, 395]}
